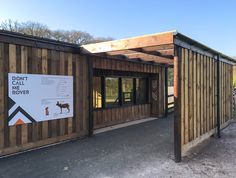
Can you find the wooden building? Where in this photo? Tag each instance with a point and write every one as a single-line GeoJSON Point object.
{"type": "Point", "coordinates": [120, 81]}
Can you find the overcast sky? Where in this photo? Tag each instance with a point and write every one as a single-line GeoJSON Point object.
{"type": "Point", "coordinates": [212, 22]}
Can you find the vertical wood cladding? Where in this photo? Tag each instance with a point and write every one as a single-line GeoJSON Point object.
{"type": "Point", "coordinates": [198, 94]}
{"type": "Point", "coordinates": [155, 108]}
{"type": "Point", "coordinates": [32, 60]}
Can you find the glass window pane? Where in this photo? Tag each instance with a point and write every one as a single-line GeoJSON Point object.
{"type": "Point", "coordinates": [112, 91]}
{"type": "Point", "coordinates": [127, 90]}
{"type": "Point", "coordinates": [97, 94]}
{"type": "Point", "coordinates": [141, 90]}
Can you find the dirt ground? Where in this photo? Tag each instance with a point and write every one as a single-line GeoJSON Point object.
{"type": "Point", "coordinates": [144, 150]}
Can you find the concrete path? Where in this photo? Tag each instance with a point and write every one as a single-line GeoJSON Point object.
{"type": "Point", "coordinates": [124, 152]}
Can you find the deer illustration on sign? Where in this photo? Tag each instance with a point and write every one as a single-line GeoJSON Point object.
{"type": "Point", "coordinates": [62, 106]}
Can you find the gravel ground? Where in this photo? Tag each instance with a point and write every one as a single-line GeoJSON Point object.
{"type": "Point", "coordinates": [214, 158]}
{"type": "Point", "coordinates": [144, 150]}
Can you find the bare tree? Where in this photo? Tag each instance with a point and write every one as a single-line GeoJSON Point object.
{"type": "Point", "coordinates": [35, 29]}
{"type": "Point", "coordinates": [41, 30]}
{"type": "Point", "coordinates": [10, 25]}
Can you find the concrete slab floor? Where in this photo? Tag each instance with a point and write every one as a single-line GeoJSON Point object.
{"type": "Point", "coordinates": [143, 150]}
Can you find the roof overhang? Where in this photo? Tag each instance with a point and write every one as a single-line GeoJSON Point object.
{"type": "Point", "coordinates": [156, 48]}
{"type": "Point", "coordinates": [189, 43]}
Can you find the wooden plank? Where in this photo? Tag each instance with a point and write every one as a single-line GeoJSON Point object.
{"type": "Point", "coordinates": [207, 94]}
{"type": "Point", "coordinates": [18, 70]}
{"type": "Point", "coordinates": [213, 94]}
{"type": "Point", "coordinates": [44, 71]}
{"type": "Point", "coordinates": [35, 70]}
{"type": "Point", "coordinates": [198, 116]}
{"type": "Point", "coordinates": [77, 87]}
{"type": "Point", "coordinates": [130, 43]}
{"type": "Point", "coordinates": [24, 69]}
{"type": "Point", "coordinates": [6, 71]}
{"type": "Point", "coordinates": [231, 91]}
{"type": "Point", "coordinates": [190, 96]}
{"type": "Point", "coordinates": [54, 62]}
{"type": "Point", "coordinates": [74, 91]}
{"type": "Point", "coordinates": [84, 79]}
{"type": "Point", "coordinates": [149, 58]}
{"type": "Point", "coordinates": [12, 69]}
{"type": "Point", "coordinates": [202, 96]}
{"type": "Point", "coordinates": [210, 94]}
{"type": "Point", "coordinates": [194, 96]}
{"type": "Point", "coordinates": [177, 111]}
{"type": "Point", "coordinates": [86, 118]}
{"type": "Point", "coordinates": [81, 93]}
{"type": "Point", "coordinates": [2, 98]}
{"type": "Point", "coordinates": [182, 56]}
{"type": "Point", "coordinates": [39, 70]}
{"type": "Point", "coordinates": [224, 92]}
{"type": "Point", "coordinates": [62, 72]}
{"type": "Point", "coordinates": [70, 73]}
{"type": "Point", "coordinates": [227, 107]}
{"type": "Point", "coordinates": [186, 92]}
{"type": "Point", "coordinates": [30, 71]}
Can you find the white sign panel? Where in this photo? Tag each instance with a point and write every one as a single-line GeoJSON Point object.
{"type": "Point", "coordinates": [36, 98]}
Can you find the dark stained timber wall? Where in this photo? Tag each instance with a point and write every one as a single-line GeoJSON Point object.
{"type": "Point", "coordinates": [108, 117]}
{"type": "Point", "coordinates": [199, 95]}
{"type": "Point", "coordinates": [154, 108]}
{"type": "Point", "coordinates": [15, 58]}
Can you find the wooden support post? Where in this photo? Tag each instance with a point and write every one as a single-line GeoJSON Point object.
{"type": "Point", "coordinates": [218, 95]}
{"type": "Point", "coordinates": [90, 75]}
{"type": "Point", "coordinates": [177, 105]}
{"type": "Point", "coordinates": [166, 91]}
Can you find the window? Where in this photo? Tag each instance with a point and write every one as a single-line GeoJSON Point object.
{"type": "Point", "coordinates": [97, 92]}
{"type": "Point", "coordinates": [112, 91]}
{"type": "Point", "coordinates": [127, 90]}
{"type": "Point", "coordinates": [119, 91]}
{"type": "Point", "coordinates": [141, 90]}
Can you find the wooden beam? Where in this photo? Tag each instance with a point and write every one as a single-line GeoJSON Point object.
{"type": "Point", "coordinates": [159, 47]}
{"type": "Point", "coordinates": [90, 95]}
{"type": "Point", "coordinates": [121, 52]}
{"type": "Point", "coordinates": [149, 57]}
{"type": "Point", "coordinates": [130, 43]}
{"type": "Point", "coordinates": [169, 53]}
{"type": "Point", "coordinates": [177, 105]}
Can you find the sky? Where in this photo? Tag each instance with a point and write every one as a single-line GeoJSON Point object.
{"type": "Point", "coordinates": [212, 22]}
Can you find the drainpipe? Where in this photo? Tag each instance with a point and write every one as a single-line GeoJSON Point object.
{"type": "Point", "coordinates": [218, 96]}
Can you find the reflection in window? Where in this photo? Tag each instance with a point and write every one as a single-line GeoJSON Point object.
{"type": "Point", "coordinates": [112, 91]}
{"type": "Point", "coordinates": [97, 94]}
{"type": "Point", "coordinates": [141, 90]}
{"type": "Point", "coordinates": [127, 90]}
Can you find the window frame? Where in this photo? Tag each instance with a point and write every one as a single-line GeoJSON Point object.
{"type": "Point", "coordinates": [133, 99]}
{"type": "Point", "coordinates": [104, 97]}
{"type": "Point", "coordinates": [135, 76]}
